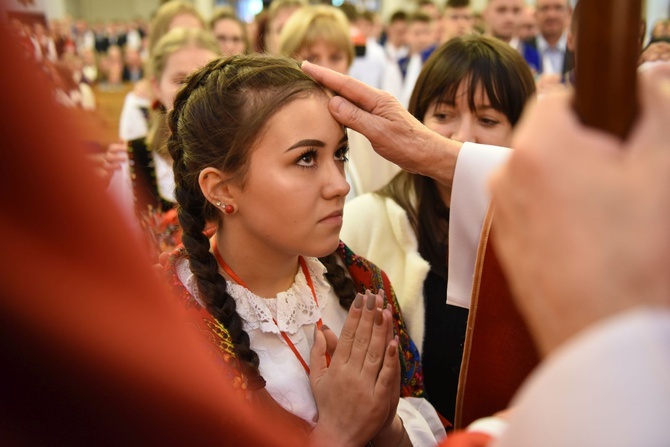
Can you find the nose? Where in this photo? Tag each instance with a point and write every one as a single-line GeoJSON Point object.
{"type": "Point", "coordinates": [464, 131]}
{"type": "Point", "coordinates": [335, 182]}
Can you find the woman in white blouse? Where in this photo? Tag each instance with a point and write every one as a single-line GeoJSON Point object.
{"type": "Point", "coordinates": [257, 153]}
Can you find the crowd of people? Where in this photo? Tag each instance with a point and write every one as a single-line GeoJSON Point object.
{"type": "Point", "coordinates": [312, 188]}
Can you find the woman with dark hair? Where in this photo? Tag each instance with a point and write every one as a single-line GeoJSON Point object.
{"type": "Point", "coordinates": [259, 159]}
{"type": "Point", "coordinates": [472, 89]}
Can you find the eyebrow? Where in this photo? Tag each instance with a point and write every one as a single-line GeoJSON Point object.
{"type": "Point", "coordinates": [315, 143]}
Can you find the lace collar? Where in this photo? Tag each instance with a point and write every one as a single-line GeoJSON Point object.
{"type": "Point", "coordinates": [292, 308]}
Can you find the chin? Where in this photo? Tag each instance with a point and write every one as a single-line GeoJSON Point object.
{"type": "Point", "coordinates": [324, 249]}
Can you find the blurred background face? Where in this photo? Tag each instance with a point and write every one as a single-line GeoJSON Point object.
{"type": "Point", "coordinates": [527, 27]}
{"type": "Point", "coordinates": [396, 33]}
{"type": "Point", "coordinates": [230, 36]}
{"type": "Point", "coordinates": [456, 22]}
{"type": "Point", "coordinates": [553, 17]}
{"type": "Point", "coordinates": [275, 26]}
{"type": "Point", "coordinates": [419, 36]}
{"type": "Point", "coordinates": [502, 16]}
{"type": "Point", "coordinates": [179, 65]}
{"type": "Point", "coordinates": [326, 55]}
{"type": "Point", "coordinates": [484, 124]}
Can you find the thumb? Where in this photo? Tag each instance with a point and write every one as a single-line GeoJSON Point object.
{"type": "Point", "coordinates": [318, 365]}
{"type": "Point", "coordinates": [331, 339]}
{"type": "Point", "coordinates": [350, 115]}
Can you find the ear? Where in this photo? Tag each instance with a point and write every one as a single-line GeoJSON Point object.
{"type": "Point", "coordinates": [216, 187]}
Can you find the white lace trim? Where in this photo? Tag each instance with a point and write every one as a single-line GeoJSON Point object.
{"type": "Point", "coordinates": [293, 308]}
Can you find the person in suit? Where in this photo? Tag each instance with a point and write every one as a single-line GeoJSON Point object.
{"type": "Point", "coordinates": [553, 18]}
{"type": "Point", "coordinates": [502, 18]}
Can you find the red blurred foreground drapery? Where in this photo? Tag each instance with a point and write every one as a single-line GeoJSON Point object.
{"type": "Point", "coordinates": [91, 349]}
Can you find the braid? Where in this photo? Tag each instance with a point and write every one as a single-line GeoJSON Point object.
{"type": "Point", "coordinates": [211, 285]}
{"type": "Point", "coordinates": [342, 285]}
{"type": "Point", "coordinates": [217, 117]}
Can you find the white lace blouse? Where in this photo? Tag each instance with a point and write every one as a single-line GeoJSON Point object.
{"type": "Point", "coordinates": [296, 314]}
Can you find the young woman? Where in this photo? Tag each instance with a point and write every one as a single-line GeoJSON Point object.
{"type": "Point", "coordinates": [471, 89]}
{"type": "Point", "coordinates": [149, 180]}
{"type": "Point", "coordinates": [258, 155]}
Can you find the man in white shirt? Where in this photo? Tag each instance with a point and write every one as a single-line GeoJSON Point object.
{"type": "Point", "coordinates": [553, 19]}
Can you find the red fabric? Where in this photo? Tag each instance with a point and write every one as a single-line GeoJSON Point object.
{"type": "Point", "coordinates": [92, 351]}
{"type": "Point", "coordinates": [466, 439]}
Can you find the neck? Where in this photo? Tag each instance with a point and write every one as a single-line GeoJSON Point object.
{"type": "Point", "coordinates": [264, 271]}
{"type": "Point", "coordinates": [552, 39]}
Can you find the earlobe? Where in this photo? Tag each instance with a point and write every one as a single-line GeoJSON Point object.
{"type": "Point", "coordinates": [214, 186]}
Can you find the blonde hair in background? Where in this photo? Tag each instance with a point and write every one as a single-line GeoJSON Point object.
{"type": "Point", "coordinates": [169, 44]}
{"type": "Point", "coordinates": [160, 23]}
{"type": "Point", "coordinates": [311, 24]}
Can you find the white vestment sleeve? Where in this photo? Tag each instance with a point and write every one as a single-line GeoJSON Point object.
{"type": "Point", "coordinates": [469, 202]}
{"type": "Point", "coordinates": [420, 421]}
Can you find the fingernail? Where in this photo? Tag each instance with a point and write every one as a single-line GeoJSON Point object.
{"type": "Point", "coordinates": [324, 328]}
{"type": "Point", "coordinates": [372, 302]}
{"type": "Point", "coordinates": [336, 103]}
{"type": "Point", "coordinates": [379, 317]}
{"type": "Point", "coordinates": [358, 301]}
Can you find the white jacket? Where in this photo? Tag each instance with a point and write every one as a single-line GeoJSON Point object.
{"type": "Point", "coordinates": [378, 229]}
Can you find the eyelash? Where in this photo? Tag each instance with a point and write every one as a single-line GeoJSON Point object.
{"type": "Point", "coordinates": [313, 154]}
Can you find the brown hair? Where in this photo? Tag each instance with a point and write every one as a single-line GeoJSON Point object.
{"type": "Point", "coordinates": [508, 83]}
{"type": "Point", "coordinates": [217, 118]}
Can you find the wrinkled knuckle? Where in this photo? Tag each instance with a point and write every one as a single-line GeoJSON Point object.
{"type": "Point", "coordinates": [347, 335]}
{"type": "Point", "coordinates": [373, 357]}
{"type": "Point", "coordinates": [360, 342]}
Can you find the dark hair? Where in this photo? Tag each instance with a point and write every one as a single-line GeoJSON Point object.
{"type": "Point", "coordinates": [217, 117]}
{"type": "Point", "coordinates": [508, 82]}
{"type": "Point", "coordinates": [457, 4]}
{"type": "Point", "coordinates": [398, 16]}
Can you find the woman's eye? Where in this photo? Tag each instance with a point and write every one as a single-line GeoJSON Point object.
{"type": "Point", "coordinates": [488, 121]}
{"type": "Point", "coordinates": [341, 154]}
{"type": "Point", "coordinates": [308, 159]}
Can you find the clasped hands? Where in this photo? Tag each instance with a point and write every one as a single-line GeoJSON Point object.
{"type": "Point", "coordinates": [357, 394]}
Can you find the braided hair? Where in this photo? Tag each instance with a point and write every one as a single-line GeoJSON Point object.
{"type": "Point", "coordinates": [216, 118]}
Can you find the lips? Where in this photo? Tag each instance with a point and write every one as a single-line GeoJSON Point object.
{"type": "Point", "coordinates": [334, 215]}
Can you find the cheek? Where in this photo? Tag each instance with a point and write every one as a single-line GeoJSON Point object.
{"type": "Point", "coordinates": [444, 129]}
